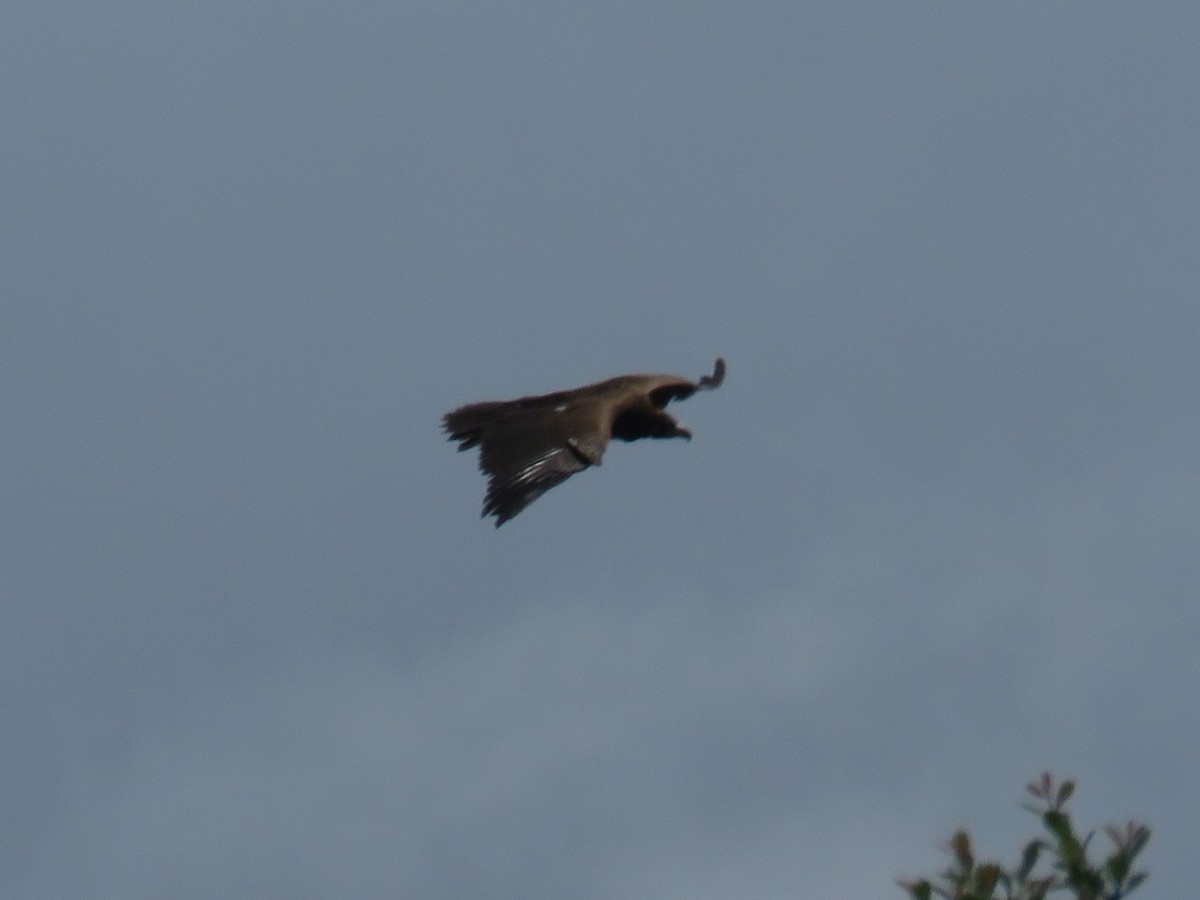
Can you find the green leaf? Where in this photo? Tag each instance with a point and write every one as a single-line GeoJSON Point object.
{"type": "Point", "coordinates": [986, 877]}
{"type": "Point", "coordinates": [1059, 825]}
{"type": "Point", "coordinates": [1064, 793]}
{"type": "Point", "coordinates": [1118, 867]}
{"type": "Point", "coordinates": [1029, 858]}
{"type": "Point", "coordinates": [960, 846]}
{"type": "Point", "coordinates": [1006, 882]}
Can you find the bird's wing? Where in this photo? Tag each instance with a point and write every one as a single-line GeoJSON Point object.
{"type": "Point", "coordinates": [527, 451]}
{"type": "Point", "coordinates": [665, 388]}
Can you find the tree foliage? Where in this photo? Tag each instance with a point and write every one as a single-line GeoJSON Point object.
{"type": "Point", "coordinates": [1063, 854]}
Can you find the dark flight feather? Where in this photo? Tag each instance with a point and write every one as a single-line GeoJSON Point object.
{"type": "Point", "coordinates": [529, 445]}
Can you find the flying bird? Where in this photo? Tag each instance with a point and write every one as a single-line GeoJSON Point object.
{"type": "Point", "coordinates": [529, 445]}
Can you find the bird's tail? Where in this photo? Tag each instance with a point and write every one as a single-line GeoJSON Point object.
{"type": "Point", "coordinates": [467, 423]}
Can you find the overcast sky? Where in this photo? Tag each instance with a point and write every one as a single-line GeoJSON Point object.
{"type": "Point", "coordinates": [937, 532]}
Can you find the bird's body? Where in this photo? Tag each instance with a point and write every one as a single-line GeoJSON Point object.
{"type": "Point", "coordinates": [529, 445]}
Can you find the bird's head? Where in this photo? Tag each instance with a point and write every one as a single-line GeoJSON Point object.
{"type": "Point", "coordinates": [667, 426]}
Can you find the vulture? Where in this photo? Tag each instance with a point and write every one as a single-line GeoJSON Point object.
{"type": "Point", "coordinates": [528, 445]}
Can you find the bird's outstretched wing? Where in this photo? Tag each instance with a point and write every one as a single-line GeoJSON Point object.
{"type": "Point", "coordinates": [662, 389]}
{"type": "Point", "coordinates": [528, 447]}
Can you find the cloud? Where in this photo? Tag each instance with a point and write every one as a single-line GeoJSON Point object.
{"type": "Point", "coordinates": [572, 740]}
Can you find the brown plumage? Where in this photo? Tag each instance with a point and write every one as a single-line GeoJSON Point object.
{"type": "Point", "coordinates": [529, 445]}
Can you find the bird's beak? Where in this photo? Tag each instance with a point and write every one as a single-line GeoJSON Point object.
{"type": "Point", "coordinates": [684, 432]}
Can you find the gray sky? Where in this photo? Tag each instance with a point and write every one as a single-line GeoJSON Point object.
{"type": "Point", "coordinates": [937, 532]}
